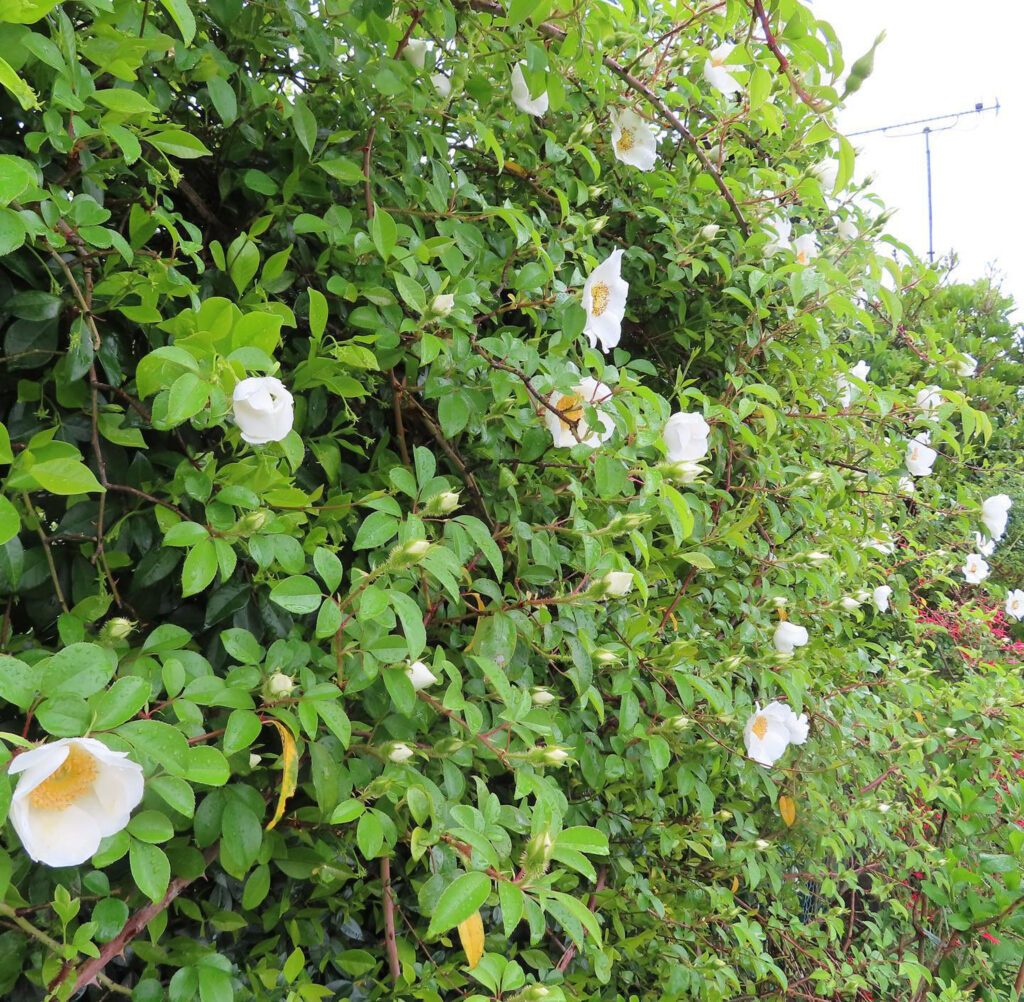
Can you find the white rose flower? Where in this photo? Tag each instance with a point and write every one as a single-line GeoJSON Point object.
{"type": "Point", "coordinates": [710, 231]}
{"type": "Point", "coordinates": [976, 568]}
{"type": "Point", "coordinates": [880, 596]}
{"type": "Point", "coordinates": [400, 752]}
{"type": "Point", "coordinates": [846, 388]}
{"type": "Point", "coordinates": [788, 636]}
{"type": "Point", "coordinates": [715, 73]}
{"type": "Point", "coordinates": [849, 603]}
{"type": "Point", "coordinates": [769, 732]}
{"type": "Point", "coordinates": [905, 485]}
{"type": "Point", "coordinates": [633, 140]}
{"type": "Point", "coordinates": [442, 305]}
{"type": "Point", "coordinates": [617, 583]}
{"type": "Point", "coordinates": [995, 511]}
{"type": "Point", "coordinates": [71, 794]}
{"type": "Point", "coordinates": [885, 808]}
{"type": "Point", "coordinates": [686, 437]}
{"type": "Point", "coordinates": [847, 229]}
{"type": "Point", "coordinates": [805, 247]}
{"type": "Point", "coordinates": [920, 456]}
{"type": "Point", "coordinates": [263, 409]}
{"type": "Point", "coordinates": [416, 51]}
{"type": "Point", "coordinates": [420, 675]}
{"type": "Point", "coordinates": [782, 228]}
{"type": "Point", "coordinates": [604, 299]}
{"type": "Point", "coordinates": [1015, 604]}
{"type": "Point", "coordinates": [535, 106]}
{"type": "Point", "coordinates": [441, 84]}
{"type": "Point", "coordinates": [985, 546]}
{"type": "Point", "coordinates": [570, 416]}
{"type": "Point", "coordinates": [929, 400]}
{"type": "Point", "coordinates": [827, 173]}
{"type": "Point", "coordinates": [966, 365]}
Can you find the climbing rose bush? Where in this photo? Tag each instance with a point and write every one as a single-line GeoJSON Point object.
{"type": "Point", "coordinates": [483, 515]}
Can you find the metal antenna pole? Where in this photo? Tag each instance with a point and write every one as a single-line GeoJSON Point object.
{"type": "Point", "coordinates": [955, 117]}
{"type": "Point", "coordinates": [928, 165]}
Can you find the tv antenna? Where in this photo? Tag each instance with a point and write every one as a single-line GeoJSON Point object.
{"type": "Point", "coordinates": [953, 118]}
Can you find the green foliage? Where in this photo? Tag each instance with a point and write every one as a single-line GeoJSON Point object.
{"type": "Point", "coordinates": [194, 194]}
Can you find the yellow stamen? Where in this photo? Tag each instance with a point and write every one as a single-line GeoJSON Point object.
{"type": "Point", "coordinates": [570, 407]}
{"type": "Point", "coordinates": [626, 141]}
{"type": "Point", "coordinates": [73, 778]}
{"type": "Point", "coordinates": [760, 727]}
{"type": "Point", "coordinates": [598, 298]}
{"type": "Point", "coordinates": [802, 257]}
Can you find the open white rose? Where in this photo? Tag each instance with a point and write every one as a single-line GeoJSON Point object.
{"type": "Point", "coordinates": [985, 546]}
{"type": "Point", "coordinates": [1015, 604]}
{"type": "Point", "coordinates": [782, 228]}
{"type": "Point", "coordinates": [686, 437]}
{"type": "Point", "coordinates": [920, 456]}
{"type": "Point", "coordinates": [880, 596]}
{"type": "Point", "coordinates": [929, 400]}
{"type": "Point", "coordinates": [846, 388]}
{"type": "Point", "coordinates": [263, 409]}
{"type": "Point", "coordinates": [966, 365]}
{"type": "Point", "coordinates": [827, 173]}
{"type": "Point", "coordinates": [569, 425]}
{"type": "Point", "coordinates": [615, 584]}
{"type": "Point", "coordinates": [805, 247]}
{"type": "Point", "coordinates": [420, 675]}
{"type": "Point", "coordinates": [71, 794]}
{"type": "Point", "coordinates": [847, 229]}
{"type": "Point", "coordinates": [441, 84]}
{"type": "Point", "coordinates": [604, 299]}
{"type": "Point", "coordinates": [995, 511]}
{"type": "Point", "coordinates": [975, 569]}
{"type": "Point", "coordinates": [717, 75]}
{"type": "Point", "coordinates": [521, 98]}
{"type": "Point", "coordinates": [415, 51]}
{"type": "Point", "coordinates": [788, 636]}
{"type": "Point", "coordinates": [769, 732]}
{"type": "Point", "coordinates": [633, 140]}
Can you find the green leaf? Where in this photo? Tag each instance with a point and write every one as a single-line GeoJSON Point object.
{"type": "Point", "coordinates": [120, 702]}
{"type": "Point", "coordinates": [411, 617]}
{"type": "Point", "coordinates": [124, 101]}
{"type": "Point", "coordinates": [151, 826]}
{"type": "Point", "coordinates": [78, 670]}
{"type": "Point", "coordinates": [12, 229]}
{"type": "Point", "coordinates": [243, 728]}
{"type": "Point", "coordinates": [16, 175]}
{"type": "Point", "coordinates": [150, 868]}
{"type": "Point", "coordinates": [584, 840]}
{"type": "Point", "coordinates": [345, 171]}
{"type": "Point", "coordinates": [199, 568]}
{"type": "Point", "coordinates": [519, 10]}
{"type": "Point", "coordinates": [183, 18]}
{"type": "Point", "coordinates": [375, 531]}
{"type": "Point", "coordinates": [384, 233]}
{"type": "Point", "coordinates": [175, 792]}
{"type": "Point", "coordinates": [19, 682]}
{"type": "Point", "coordinates": [10, 520]}
{"type": "Point", "coordinates": [243, 262]}
{"type": "Point", "coordinates": [298, 594]}
{"type": "Point", "coordinates": [463, 896]}
{"type": "Point", "coordinates": [20, 90]}
{"type": "Point", "coordinates": [176, 143]}
{"type": "Point", "coordinates": [241, 837]}
{"type": "Point", "coordinates": [65, 476]}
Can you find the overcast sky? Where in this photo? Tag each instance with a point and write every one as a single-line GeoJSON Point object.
{"type": "Point", "coordinates": [943, 56]}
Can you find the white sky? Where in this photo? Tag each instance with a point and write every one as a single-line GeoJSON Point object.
{"type": "Point", "coordinates": [943, 56]}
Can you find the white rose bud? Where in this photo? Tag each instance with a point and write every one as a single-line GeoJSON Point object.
{"type": "Point", "coordinates": [115, 629]}
{"type": "Point", "coordinates": [400, 752]}
{"type": "Point", "coordinates": [817, 557]}
{"type": "Point", "coordinates": [279, 686]}
{"type": "Point", "coordinates": [441, 306]}
{"type": "Point", "coordinates": [420, 675]}
{"type": "Point", "coordinates": [762, 844]}
{"type": "Point", "coordinates": [709, 232]}
{"type": "Point", "coordinates": [849, 603]}
{"type": "Point", "coordinates": [541, 696]}
{"type": "Point", "coordinates": [950, 732]}
{"type": "Point", "coordinates": [615, 584]}
{"type": "Point", "coordinates": [444, 503]}
{"type": "Point", "coordinates": [254, 760]}
{"type": "Point", "coordinates": [263, 409]}
{"type": "Point", "coordinates": [885, 808]}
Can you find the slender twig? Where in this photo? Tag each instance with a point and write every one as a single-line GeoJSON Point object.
{"type": "Point", "coordinates": [396, 401]}
{"type": "Point", "coordinates": [769, 37]}
{"type": "Point", "coordinates": [366, 170]}
{"type": "Point", "coordinates": [92, 969]}
{"type": "Point", "coordinates": [451, 715]}
{"type": "Point", "coordinates": [390, 940]}
{"type": "Point", "coordinates": [46, 550]}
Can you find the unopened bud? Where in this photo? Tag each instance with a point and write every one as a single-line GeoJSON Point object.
{"type": "Point", "coordinates": [116, 629]}
{"type": "Point", "coordinates": [548, 755]}
{"type": "Point", "coordinates": [605, 657]}
{"type": "Point", "coordinates": [443, 504]}
{"type": "Point", "coordinates": [779, 601]}
{"type": "Point", "coordinates": [849, 603]}
{"type": "Point", "coordinates": [615, 584]}
{"type": "Point", "coordinates": [816, 557]}
{"type": "Point", "coordinates": [278, 686]}
{"type": "Point", "coordinates": [251, 522]}
{"type": "Point", "coordinates": [708, 232]}
{"type": "Point", "coordinates": [441, 306]}
{"type": "Point", "coordinates": [408, 553]}
{"type": "Point", "coordinates": [254, 760]}
{"type": "Point", "coordinates": [541, 696]}
{"type": "Point", "coordinates": [678, 723]}
{"type": "Point", "coordinates": [724, 815]}
{"type": "Point", "coordinates": [682, 472]}
{"type": "Point", "coordinates": [762, 844]}
{"type": "Point", "coordinates": [400, 752]}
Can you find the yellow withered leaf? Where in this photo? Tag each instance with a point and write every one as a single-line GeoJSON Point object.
{"type": "Point", "coordinates": [289, 771]}
{"type": "Point", "coordinates": [735, 884]}
{"type": "Point", "coordinates": [787, 808]}
{"type": "Point", "coordinates": [471, 932]}
{"type": "Point", "coordinates": [920, 719]}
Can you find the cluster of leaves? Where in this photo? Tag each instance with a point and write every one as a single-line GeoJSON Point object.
{"type": "Point", "coordinates": [193, 193]}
